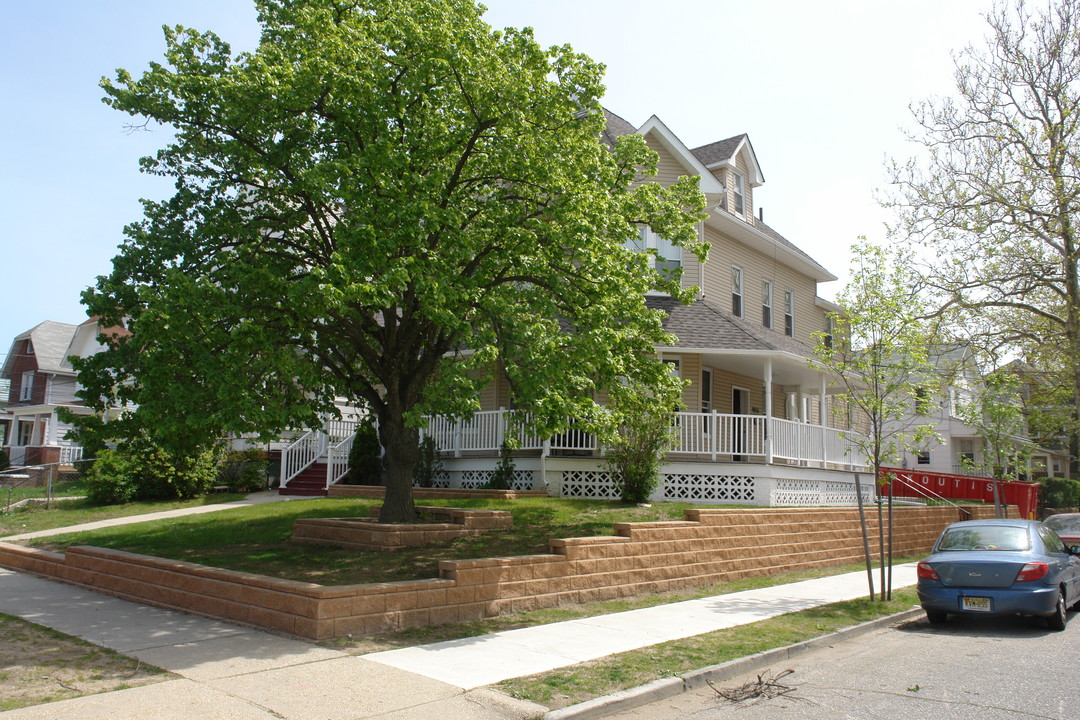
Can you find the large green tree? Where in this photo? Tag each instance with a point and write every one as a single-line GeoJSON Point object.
{"type": "Point", "coordinates": [994, 196]}
{"type": "Point", "coordinates": [385, 201]}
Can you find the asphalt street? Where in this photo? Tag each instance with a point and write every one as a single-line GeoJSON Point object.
{"type": "Point", "coordinates": [987, 669]}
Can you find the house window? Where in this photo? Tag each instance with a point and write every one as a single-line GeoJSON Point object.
{"type": "Point", "coordinates": [26, 389]}
{"type": "Point", "coordinates": [668, 255]}
{"type": "Point", "coordinates": [26, 433]}
{"type": "Point", "coordinates": [29, 347]}
{"type": "Point", "coordinates": [766, 304]}
{"type": "Point", "coordinates": [739, 195]}
{"type": "Point", "coordinates": [923, 458]}
{"type": "Point", "coordinates": [789, 313]}
{"type": "Point", "coordinates": [736, 291]}
{"type": "Point", "coordinates": [829, 327]}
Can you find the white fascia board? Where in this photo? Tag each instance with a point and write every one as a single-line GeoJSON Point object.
{"type": "Point", "coordinates": [757, 178]}
{"type": "Point", "coordinates": [747, 234]}
{"type": "Point", "coordinates": [781, 354]}
{"type": "Point", "coordinates": [828, 305]}
{"type": "Point", "coordinates": [708, 183]}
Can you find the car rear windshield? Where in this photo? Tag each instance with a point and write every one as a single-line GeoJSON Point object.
{"type": "Point", "coordinates": [986, 537]}
{"type": "Point", "coordinates": [1064, 524]}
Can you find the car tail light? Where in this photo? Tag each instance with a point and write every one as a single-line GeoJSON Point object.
{"type": "Point", "coordinates": [926, 572]}
{"type": "Point", "coordinates": [1032, 571]}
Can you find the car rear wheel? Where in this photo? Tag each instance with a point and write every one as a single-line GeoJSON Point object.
{"type": "Point", "coordinates": [936, 617]}
{"type": "Point", "coordinates": [1057, 620]}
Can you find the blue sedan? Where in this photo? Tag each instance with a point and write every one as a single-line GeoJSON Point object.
{"type": "Point", "coordinates": [1000, 567]}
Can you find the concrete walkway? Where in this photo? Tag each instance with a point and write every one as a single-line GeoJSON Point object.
{"type": "Point", "coordinates": [252, 499]}
{"type": "Point", "coordinates": [230, 671]}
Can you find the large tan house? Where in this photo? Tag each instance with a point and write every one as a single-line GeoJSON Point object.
{"type": "Point", "coordinates": [757, 426]}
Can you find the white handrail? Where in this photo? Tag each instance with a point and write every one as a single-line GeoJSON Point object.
{"type": "Point", "coordinates": [301, 454]}
{"type": "Point", "coordinates": [337, 459]}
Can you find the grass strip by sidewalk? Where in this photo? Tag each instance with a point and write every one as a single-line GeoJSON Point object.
{"type": "Point", "coordinates": [40, 665]}
{"type": "Point", "coordinates": [585, 681]}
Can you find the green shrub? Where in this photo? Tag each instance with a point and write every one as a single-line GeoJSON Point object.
{"type": "Point", "coordinates": [428, 464]}
{"type": "Point", "coordinates": [365, 456]}
{"type": "Point", "coordinates": [503, 477]}
{"type": "Point", "coordinates": [636, 453]}
{"type": "Point", "coordinates": [111, 480]}
{"type": "Point", "coordinates": [1059, 492]}
{"type": "Point", "coordinates": [243, 471]}
{"type": "Point", "coordinates": [140, 470]}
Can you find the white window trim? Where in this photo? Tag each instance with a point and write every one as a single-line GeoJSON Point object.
{"type": "Point", "coordinates": [649, 240]}
{"type": "Point", "coordinates": [738, 294]}
{"type": "Point", "coordinates": [738, 194]}
{"type": "Point", "coordinates": [789, 312]}
{"type": "Point", "coordinates": [767, 303]}
{"type": "Point", "coordinates": [26, 387]}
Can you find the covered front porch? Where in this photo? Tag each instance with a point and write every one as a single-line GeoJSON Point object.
{"type": "Point", "coordinates": [39, 437]}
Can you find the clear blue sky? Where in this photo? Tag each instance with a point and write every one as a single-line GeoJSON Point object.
{"type": "Point", "coordinates": [821, 88]}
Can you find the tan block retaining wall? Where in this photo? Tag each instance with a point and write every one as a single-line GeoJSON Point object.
{"type": "Point", "coordinates": [710, 546]}
{"type": "Point", "coordinates": [377, 491]}
{"type": "Point", "coordinates": [371, 535]}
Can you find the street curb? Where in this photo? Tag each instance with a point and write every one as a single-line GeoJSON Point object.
{"type": "Point", "coordinates": [666, 687]}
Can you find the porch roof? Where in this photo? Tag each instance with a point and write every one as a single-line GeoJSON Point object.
{"type": "Point", "coordinates": [738, 345]}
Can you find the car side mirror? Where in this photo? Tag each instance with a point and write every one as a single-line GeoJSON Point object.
{"type": "Point", "coordinates": [1073, 549]}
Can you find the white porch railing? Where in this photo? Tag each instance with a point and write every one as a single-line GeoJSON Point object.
{"type": "Point", "coordinates": [337, 459]}
{"type": "Point", "coordinates": [70, 454]}
{"type": "Point", "coordinates": [712, 434]}
{"type": "Point", "coordinates": [301, 454]}
{"type": "Point", "coordinates": [333, 440]}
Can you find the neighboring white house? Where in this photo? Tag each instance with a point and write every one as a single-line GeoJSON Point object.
{"type": "Point", "coordinates": [962, 449]}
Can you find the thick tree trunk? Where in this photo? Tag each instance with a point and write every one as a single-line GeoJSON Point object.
{"type": "Point", "coordinates": [402, 449]}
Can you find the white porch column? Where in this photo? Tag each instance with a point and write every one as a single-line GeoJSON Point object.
{"type": "Point", "coordinates": [768, 411]}
{"type": "Point", "coordinates": [822, 418]}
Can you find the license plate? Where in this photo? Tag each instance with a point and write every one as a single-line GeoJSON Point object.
{"type": "Point", "coordinates": [975, 604]}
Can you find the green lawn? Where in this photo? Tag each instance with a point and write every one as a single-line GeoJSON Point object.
{"type": "Point", "coordinates": [256, 539]}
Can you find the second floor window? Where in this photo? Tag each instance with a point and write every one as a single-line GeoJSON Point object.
{"type": "Point", "coordinates": [668, 255]}
{"type": "Point", "coordinates": [736, 291]}
{"type": "Point", "coordinates": [766, 304]}
{"type": "Point", "coordinates": [789, 313]}
{"type": "Point", "coordinates": [827, 340]}
{"type": "Point", "coordinates": [27, 388]}
{"type": "Point", "coordinates": [739, 195]}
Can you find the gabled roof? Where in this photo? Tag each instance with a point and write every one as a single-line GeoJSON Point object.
{"type": "Point", "coordinates": [50, 341]}
{"type": "Point", "coordinates": [656, 128]}
{"type": "Point", "coordinates": [615, 127]}
{"type": "Point", "coordinates": [726, 152]}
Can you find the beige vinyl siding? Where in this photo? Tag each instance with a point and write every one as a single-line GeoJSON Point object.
{"type": "Point", "coordinates": [668, 169]}
{"type": "Point", "coordinates": [757, 266]}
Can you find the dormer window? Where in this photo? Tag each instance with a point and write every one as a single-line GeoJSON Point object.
{"type": "Point", "coordinates": [29, 348]}
{"type": "Point", "coordinates": [739, 194]}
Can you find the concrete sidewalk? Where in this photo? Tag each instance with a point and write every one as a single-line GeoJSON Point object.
{"type": "Point", "coordinates": [230, 671]}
